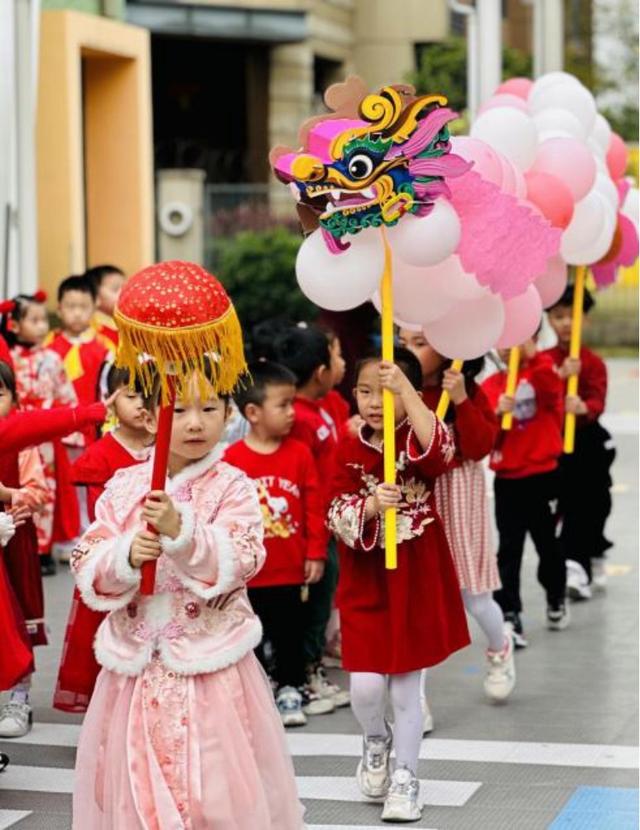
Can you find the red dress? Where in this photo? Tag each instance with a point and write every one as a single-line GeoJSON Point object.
{"type": "Point", "coordinates": [290, 502]}
{"type": "Point", "coordinates": [413, 617]}
{"type": "Point", "coordinates": [78, 666]}
{"type": "Point", "coordinates": [16, 655]}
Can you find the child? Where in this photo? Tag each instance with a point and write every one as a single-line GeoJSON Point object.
{"type": "Point", "coordinates": [82, 350]}
{"type": "Point", "coordinates": [525, 461]}
{"type": "Point", "coordinates": [128, 444]}
{"type": "Point", "coordinates": [394, 623]}
{"type": "Point", "coordinates": [181, 695]}
{"type": "Point", "coordinates": [107, 281]}
{"type": "Point", "coordinates": [584, 510]}
{"type": "Point", "coordinates": [462, 502]}
{"type": "Point", "coordinates": [305, 351]}
{"type": "Point", "coordinates": [21, 485]}
{"type": "Point", "coordinates": [42, 384]}
{"type": "Point", "coordinates": [287, 483]}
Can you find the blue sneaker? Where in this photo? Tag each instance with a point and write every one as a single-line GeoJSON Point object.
{"type": "Point", "coordinates": [289, 703]}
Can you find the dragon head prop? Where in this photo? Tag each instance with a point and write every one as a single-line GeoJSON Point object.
{"type": "Point", "coordinates": [371, 160]}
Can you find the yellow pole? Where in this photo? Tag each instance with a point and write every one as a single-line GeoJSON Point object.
{"type": "Point", "coordinates": [574, 352]}
{"type": "Point", "coordinates": [443, 403]}
{"type": "Point", "coordinates": [512, 382]}
{"type": "Point", "coordinates": [389, 421]}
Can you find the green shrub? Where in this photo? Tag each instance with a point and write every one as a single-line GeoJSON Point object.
{"type": "Point", "coordinates": [258, 270]}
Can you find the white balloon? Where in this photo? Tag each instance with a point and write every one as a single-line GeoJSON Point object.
{"type": "Point", "coordinates": [341, 281]}
{"type": "Point", "coordinates": [453, 281]}
{"type": "Point", "coordinates": [417, 293]}
{"type": "Point", "coordinates": [549, 80]}
{"type": "Point", "coordinates": [558, 119]}
{"type": "Point", "coordinates": [469, 329]}
{"type": "Point", "coordinates": [601, 133]}
{"type": "Point", "coordinates": [590, 220]}
{"type": "Point", "coordinates": [599, 247]}
{"type": "Point", "coordinates": [402, 324]}
{"type": "Point", "coordinates": [630, 205]}
{"type": "Point", "coordinates": [426, 240]}
{"type": "Point", "coordinates": [596, 149]}
{"type": "Point", "coordinates": [574, 98]}
{"type": "Point", "coordinates": [606, 188]}
{"type": "Point", "coordinates": [510, 132]}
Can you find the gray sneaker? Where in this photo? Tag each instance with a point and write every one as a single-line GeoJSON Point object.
{"type": "Point", "coordinates": [401, 804]}
{"type": "Point", "coordinates": [289, 703]}
{"type": "Point", "coordinates": [373, 773]}
{"type": "Point", "coordinates": [15, 720]}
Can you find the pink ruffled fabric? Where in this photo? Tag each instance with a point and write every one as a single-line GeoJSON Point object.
{"type": "Point", "coordinates": [503, 242]}
{"type": "Point", "coordinates": [171, 752]}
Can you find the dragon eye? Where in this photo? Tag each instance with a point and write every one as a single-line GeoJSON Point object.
{"type": "Point", "coordinates": [360, 166]}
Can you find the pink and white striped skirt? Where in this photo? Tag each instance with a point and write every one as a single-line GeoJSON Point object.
{"type": "Point", "coordinates": [462, 503]}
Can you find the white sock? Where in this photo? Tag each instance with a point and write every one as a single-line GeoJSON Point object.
{"type": "Point", "coordinates": [20, 692]}
{"type": "Point", "coordinates": [488, 614]}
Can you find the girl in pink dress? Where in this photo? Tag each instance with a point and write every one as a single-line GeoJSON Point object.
{"type": "Point", "coordinates": [182, 731]}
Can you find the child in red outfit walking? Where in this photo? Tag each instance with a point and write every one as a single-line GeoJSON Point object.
{"type": "Point", "coordinates": [284, 472]}
{"type": "Point", "coordinates": [306, 352]}
{"type": "Point", "coordinates": [525, 461]}
{"type": "Point", "coordinates": [394, 623]}
{"type": "Point", "coordinates": [463, 505]}
{"type": "Point", "coordinates": [584, 510]}
{"type": "Point", "coordinates": [107, 281]}
{"type": "Point", "coordinates": [128, 444]}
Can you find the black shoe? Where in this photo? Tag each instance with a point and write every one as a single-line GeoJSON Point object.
{"type": "Point", "coordinates": [4, 761]}
{"type": "Point", "coordinates": [513, 626]}
{"type": "Point", "coordinates": [48, 565]}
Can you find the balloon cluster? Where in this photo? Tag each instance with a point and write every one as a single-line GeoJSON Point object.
{"type": "Point", "coordinates": [570, 165]}
{"type": "Point", "coordinates": [480, 228]}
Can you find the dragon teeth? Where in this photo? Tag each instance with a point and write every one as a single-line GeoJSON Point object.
{"type": "Point", "coordinates": [369, 193]}
{"type": "Point", "coordinates": [335, 194]}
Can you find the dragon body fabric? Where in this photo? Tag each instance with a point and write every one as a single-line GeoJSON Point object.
{"type": "Point", "coordinates": [376, 158]}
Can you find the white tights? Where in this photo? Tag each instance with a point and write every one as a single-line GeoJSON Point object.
{"type": "Point", "coordinates": [488, 614]}
{"type": "Point", "coordinates": [369, 693]}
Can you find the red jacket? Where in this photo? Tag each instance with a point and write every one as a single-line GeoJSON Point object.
{"type": "Point", "coordinates": [315, 428]}
{"type": "Point", "coordinates": [534, 443]}
{"type": "Point", "coordinates": [335, 406]}
{"type": "Point", "coordinates": [475, 425]}
{"type": "Point", "coordinates": [290, 501]}
{"type": "Point", "coordinates": [592, 381]}
{"type": "Point", "coordinates": [97, 465]}
{"type": "Point", "coordinates": [27, 429]}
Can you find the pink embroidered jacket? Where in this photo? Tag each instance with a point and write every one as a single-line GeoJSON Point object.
{"type": "Point", "coordinates": [199, 620]}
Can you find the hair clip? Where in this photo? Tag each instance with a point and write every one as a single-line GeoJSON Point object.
{"type": "Point", "coordinates": [40, 296]}
{"type": "Point", "coordinates": [7, 306]}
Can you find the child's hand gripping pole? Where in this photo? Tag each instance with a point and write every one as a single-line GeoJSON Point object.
{"type": "Point", "coordinates": [574, 352]}
{"type": "Point", "coordinates": [159, 476]}
{"type": "Point", "coordinates": [443, 403]}
{"type": "Point", "coordinates": [512, 382]}
{"type": "Point", "coordinates": [389, 425]}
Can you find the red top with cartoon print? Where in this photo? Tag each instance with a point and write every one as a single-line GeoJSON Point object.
{"type": "Point", "coordinates": [291, 505]}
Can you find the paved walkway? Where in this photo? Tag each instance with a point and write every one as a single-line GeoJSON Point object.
{"type": "Point", "coordinates": [561, 754]}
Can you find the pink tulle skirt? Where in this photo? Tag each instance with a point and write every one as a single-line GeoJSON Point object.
{"type": "Point", "coordinates": [167, 752]}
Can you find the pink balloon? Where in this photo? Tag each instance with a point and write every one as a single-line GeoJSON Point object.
{"type": "Point", "coordinates": [469, 329]}
{"type": "Point", "coordinates": [617, 157]}
{"type": "Point", "coordinates": [522, 317]}
{"type": "Point", "coordinates": [504, 101]}
{"type": "Point", "coordinates": [551, 196]}
{"type": "Point", "coordinates": [516, 86]}
{"type": "Point", "coordinates": [416, 297]}
{"type": "Point", "coordinates": [485, 160]}
{"type": "Point", "coordinates": [569, 160]}
{"type": "Point", "coordinates": [551, 285]}
{"type": "Point", "coordinates": [509, 184]}
{"type": "Point", "coordinates": [402, 324]}
{"type": "Point", "coordinates": [451, 280]}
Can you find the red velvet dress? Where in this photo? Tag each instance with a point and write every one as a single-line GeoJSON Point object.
{"type": "Point", "coordinates": [78, 666]}
{"type": "Point", "coordinates": [413, 617]}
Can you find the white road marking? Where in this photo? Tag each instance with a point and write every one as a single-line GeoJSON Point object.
{"type": "Point", "coordinates": [10, 817]}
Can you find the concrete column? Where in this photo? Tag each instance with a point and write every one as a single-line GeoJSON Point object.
{"type": "Point", "coordinates": [489, 32]}
{"type": "Point", "coordinates": [548, 36]}
{"type": "Point", "coordinates": [290, 92]}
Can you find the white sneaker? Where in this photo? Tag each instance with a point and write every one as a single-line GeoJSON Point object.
{"type": "Point", "coordinates": [598, 574]}
{"type": "Point", "coordinates": [16, 720]}
{"type": "Point", "coordinates": [313, 704]}
{"type": "Point", "coordinates": [501, 672]}
{"type": "Point", "coordinates": [373, 773]}
{"type": "Point", "coordinates": [427, 717]}
{"type": "Point", "coordinates": [320, 685]}
{"type": "Point", "coordinates": [578, 587]}
{"type": "Point", "coordinates": [289, 703]}
{"type": "Point", "coordinates": [401, 804]}
{"type": "Point", "coordinates": [558, 617]}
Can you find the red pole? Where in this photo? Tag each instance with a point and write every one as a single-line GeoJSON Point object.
{"type": "Point", "coordinates": [158, 478]}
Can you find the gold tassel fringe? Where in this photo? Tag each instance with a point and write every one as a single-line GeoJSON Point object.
{"type": "Point", "coordinates": [180, 353]}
